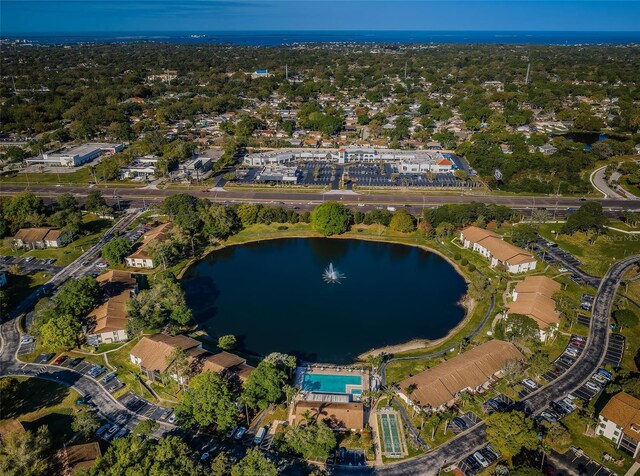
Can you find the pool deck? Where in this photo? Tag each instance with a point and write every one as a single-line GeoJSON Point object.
{"type": "Point", "coordinates": [333, 370]}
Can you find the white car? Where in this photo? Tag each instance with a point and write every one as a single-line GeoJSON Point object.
{"type": "Point", "coordinates": [530, 383]}
{"type": "Point", "coordinates": [481, 459]}
{"type": "Point", "coordinates": [172, 418]}
{"type": "Point", "coordinates": [102, 265]}
{"type": "Point", "coordinates": [569, 403]}
{"type": "Point", "coordinates": [593, 386]}
{"type": "Point", "coordinates": [240, 433]}
{"type": "Point", "coordinates": [26, 340]}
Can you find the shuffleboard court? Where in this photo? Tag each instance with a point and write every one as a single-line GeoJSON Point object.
{"type": "Point", "coordinates": [390, 434]}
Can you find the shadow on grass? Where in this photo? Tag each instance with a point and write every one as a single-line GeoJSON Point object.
{"type": "Point", "coordinates": [30, 395]}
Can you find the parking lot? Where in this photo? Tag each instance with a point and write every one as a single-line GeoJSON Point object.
{"type": "Point", "coordinates": [574, 461]}
{"type": "Point", "coordinates": [615, 350]}
{"type": "Point", "coordinates": [470, 420]}
{"type": "Point", "coordinates": [144, 408]}
{"type": "Point", "coordinates": [471, 465]}
{"type": "Point", "coordinates": [29, 264]}
{"type": "Point", "coordinates": [563, 362]}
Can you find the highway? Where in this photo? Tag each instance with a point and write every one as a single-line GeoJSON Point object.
{"type": "Point", "coordinates": [137, 196]}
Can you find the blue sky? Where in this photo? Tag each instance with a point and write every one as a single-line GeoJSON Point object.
{"type": "Point", "coordinates": [96, 16]}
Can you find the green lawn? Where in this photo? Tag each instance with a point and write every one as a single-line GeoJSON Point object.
{"type": "Point", "coordinates": [598, 257]}
{"type": "Point", "coordinates": [36, 402]}
{"type": "Point", "coordinates": [128, 373]}
{"type": "Point", "coordinates": [19, 286]}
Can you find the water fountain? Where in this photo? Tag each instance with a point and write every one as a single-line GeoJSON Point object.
{"type": "Point", "coordinates": [331, 275]}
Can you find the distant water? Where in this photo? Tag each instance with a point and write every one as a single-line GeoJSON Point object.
{"type": "Point", "coordinates": [276, 38]}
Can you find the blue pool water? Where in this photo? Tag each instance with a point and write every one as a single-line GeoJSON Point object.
{"type": "Point", "coordinates": [324, 383]}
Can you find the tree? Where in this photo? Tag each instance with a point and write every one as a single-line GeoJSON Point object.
{"type": "Point", "coordinates": [68, 215]}
{"type": "Point", "coordinates": [24, 210]}
{"type": "Point", "coordinates": [539, 363]}
{"type": "Point", "coordinates": [178, 364]}
{"type": "Point", "coordinates": [248, 213]}
{"type": "Point", "coordinates": [589, 217]}
{"type": "Point", "coordinates": [24, 453]}
{"type": "Point", "coordinates": [146, 427]}
{"type": "Point", "coordinates": [520, 328]}
{"type": "Point", "coordinates": [85, 423]}
{"type": "Point", "coordinates": [330, 218]}
{"type": "Point", "coordinates": [312, 440]}
{"type": "Point", "coordinates": [78, 296]}
{"type": "Point", "coordinates": [183, 211]}
{"type": "Point", "coordinates": [402, 221]}
{"type": "Point", "coordinates": [265, 385]}
{"type": "Point", "coordinates": [208, 400]}
{"type": "Point", "coordinates": [510, 432]}
{"type": "Point", "coordinates": [625, 318]}
{"type": "Point", "coordinates": [227, 342]}
{"type": "Point", "coordinates": [254, 464]}
{"type": "Point", "coordinates": [219, 221]}
{"type": "Point", "coordinates": [95, 202]}
{"type": "Point", "coordinates": [116, 250]}
{"type": "Point", "coordinates": [60, 332]}
{"type": "Point", "coordinates": [524, 235]}
{"type": "Point", "coordinates": [220, 465]}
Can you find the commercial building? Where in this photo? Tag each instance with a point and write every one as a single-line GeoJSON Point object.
{"type": "Point", "coordinates": [408, 161]}
{"type": "Point", "coordinates": [77, 155]}
{"type": "Point", "coordinates": [279, 174]}
{"type": "Point", "coordinates": [533, 297]}
{"type": "Point", "coordinates": [107, 323]}
{"type": "Point", "coordinates": [619, 421]}
{"type": "Point", "coordinates": [471, 371]}
{"type": "Point", "coordinates": [43, 237]}
{"type": "Point", "coordinates": [141, 168]}
{"type": "Point", "coordinates": [499, 252]}
{"type": "Point", "coordinates": [142, 257]}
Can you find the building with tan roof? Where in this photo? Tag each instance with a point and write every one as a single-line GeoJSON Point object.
{"type": "Point", "coordinates": [499, 252]}
{"type": "Point", "coordinates": [107, 323]}
{"type": "Point", "coordinates": [43, 237]}
{"type": "Point", "coordinates": [142, 257]}
{"type": "Point", "coordinates": [439, 386]}
{"type": "Point", "coordinates": [151, 353]}
{"type": "Point", "coordinates": [533, 297]}
{"type": "Point", "coordinates": [619, 421]}
{"type": "Point", "coordinates": [78, 458]}
{"type": "Point", "coordinates": [338, 415]}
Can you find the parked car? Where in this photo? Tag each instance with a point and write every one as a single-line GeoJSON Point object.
{"type": "Point", "coordinates": [172, 418]}
{"type": "Point", "coordinates": [567, 401]}
{"type": "Point", "coordinates": [111, 432]}
{"type": "Point", "coordinates": [83, 401]}
{"type": "Point", "coordinates": [232, 432]}
{"type": "Point", "coordinates": [460, 423]}
{"type": "Point", "coordinates": [530, 383]}
{"type": "Point", "coordinates": [605, 373]}
{"type": "Point", "coordinates": [556, 407]}
{"type": "Point", "coordinates": [102, 429]}
{"type": "Point", "coordinates": [481, 459]}
{"type": "Point", "coordinates": [600, 378]}
{"type": "Point", "coordinates": [59, 360]}
{"type": "Point", "coordinates": [204, 457]}
{"type": "Point", "coordinates": [496, 404]}
{"type": "Point", "coordinates": [472, 463]}
{"type": "Point", "coordinates": [26, 340]}
{"type": "Point", "coordinates": [260, 435]}
{"type": "Point", "coordinates": [102, 265]}
{"type": "Point", "coordinates": [109, 377]}
{"type": "Point", "coordinates": [488, 455]}
{"type": "Point", "coordinates": [549, 416]}
{"type": "Point", "coordinates": [593, 386]}
{"type": "Point", "coordinates": [76, 361]}
{"type": "Point", "coordinates": [240, 433]}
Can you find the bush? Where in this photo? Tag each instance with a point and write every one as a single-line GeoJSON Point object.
{"type": "Point", "coordinates": [457, 256]}
{"type": "Point", "coordinates": [471, 267]}
{"type": "Point", "coordinates": [464, 262]}
{"type": "Point", "coordinates": [283, 227]}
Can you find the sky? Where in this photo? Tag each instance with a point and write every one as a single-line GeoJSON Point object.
{"type": "Point", "coordinates": [103, 16]}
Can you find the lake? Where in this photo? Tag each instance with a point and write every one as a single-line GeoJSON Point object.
{"type": "Point", "coordinates": [272, 296]}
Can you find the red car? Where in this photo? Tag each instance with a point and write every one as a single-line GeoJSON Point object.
{"type": "Point", "coordinates": [59, 360]}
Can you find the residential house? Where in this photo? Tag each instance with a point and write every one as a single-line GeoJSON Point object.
{"type": "Point", "coordinates": [337, 414]}
{"type": "Point", "coordinates": [533, 297]}
{"type": "Point", "coordinates": [44, 237]}
{"type": "Point", "coordinates": [471, 371]}
{"type": "Point", "coordinates": [499, 252]}
{"type": "Point", "coordinates": [547, 149]}
{"type": "Point", "coordinates": [142, 257]}
{"type": "Point", "coordinates": [619, 421]}
{"type": "Point", "coordinates": [107, 323]}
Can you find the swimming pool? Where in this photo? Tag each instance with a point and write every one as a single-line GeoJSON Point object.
{"type": "Point", "coordinates": [331, 383]}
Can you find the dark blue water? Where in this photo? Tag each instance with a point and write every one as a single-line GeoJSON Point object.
{"type": "Point", "coordinates": [275, 38]}
{"type": "Point", "coordinates": [272, 297]}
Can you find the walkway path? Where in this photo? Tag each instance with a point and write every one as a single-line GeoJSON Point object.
{"type": "Point", "coordinates": [600, 184]}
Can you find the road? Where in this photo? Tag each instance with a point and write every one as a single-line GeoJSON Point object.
{"type": "Point", "coordinates": [601, 185]}
{"type": "Point", "coordinates": [136, 197]}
